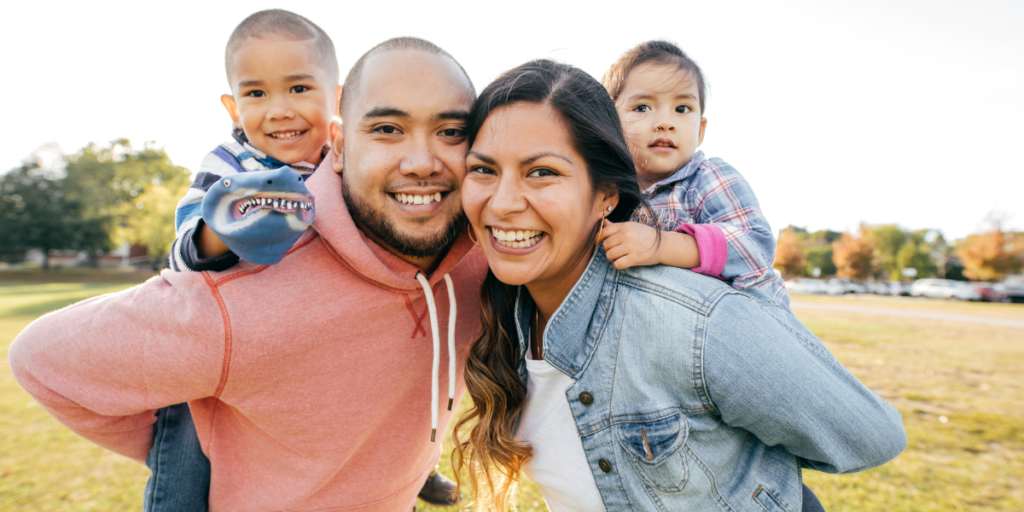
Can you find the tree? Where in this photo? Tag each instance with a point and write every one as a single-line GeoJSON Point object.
{"type": "Point", "coordinates": [789, 253]}
{"type": "Point", "coordinates": [152, 222]}
{"type": "Point", "coordinates": [38, 213]}
{"type": "Point", "coordinates": [993, 255]}
{"type": "Point", "coordinates": [820, 258]}
{"type": "Point", "coordinates": [917, 256]}
{"type": "Point", "coordinates": [854, 256]}
{"type": "Point", "coordinates": [109, 180]}
{"type": "Point", "coordinates": [889, 239]}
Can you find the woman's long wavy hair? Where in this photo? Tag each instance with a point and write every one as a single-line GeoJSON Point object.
{"type": "Point", "coordinates": [491, 454]}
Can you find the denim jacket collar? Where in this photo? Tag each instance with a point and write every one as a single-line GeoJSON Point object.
{"type": "Point", "coordinates": [567, 345]}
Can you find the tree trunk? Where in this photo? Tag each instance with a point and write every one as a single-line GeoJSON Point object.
{"type": "Point", "coordinates": [46, 260]}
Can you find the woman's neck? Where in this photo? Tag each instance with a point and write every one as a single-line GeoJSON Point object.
{"type": "Point", "coordinates": [550, 294]}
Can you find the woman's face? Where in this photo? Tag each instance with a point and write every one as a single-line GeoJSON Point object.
{"type": "Point", "coordinates": [528, 197]}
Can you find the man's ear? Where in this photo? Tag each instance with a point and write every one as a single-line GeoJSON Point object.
{"type": "Point", "coordinates": [229, 103]}
{"type": "Point", "coordinates": [337, 143]}
{"type": "Point", "coordinates": [703, 124]}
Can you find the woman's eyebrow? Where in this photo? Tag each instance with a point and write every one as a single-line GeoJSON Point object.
{"type": "Point", "coordinates": [538, 156]}
{"type": "Point", "coordinates": [484, 158]}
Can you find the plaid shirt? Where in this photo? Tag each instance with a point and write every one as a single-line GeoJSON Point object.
{"type": "Point", "coordinates": [710, 191]}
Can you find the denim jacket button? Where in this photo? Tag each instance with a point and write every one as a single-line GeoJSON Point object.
{"type": "Point", "coordinates": [586, 398]}
{"type": "Point", "coordinates": [605, 465]}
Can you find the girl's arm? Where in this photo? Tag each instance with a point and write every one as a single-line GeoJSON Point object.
{"type": "Point", "coordinates": [735, 230]}
{"type": "Point", "coordinates": [767, 374]}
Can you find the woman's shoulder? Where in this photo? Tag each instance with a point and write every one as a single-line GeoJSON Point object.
{"type": "Point", "coordinates": [673, 284]}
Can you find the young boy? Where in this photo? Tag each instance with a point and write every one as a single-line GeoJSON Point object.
{"type": "Point", "coordinates": [284, 79]}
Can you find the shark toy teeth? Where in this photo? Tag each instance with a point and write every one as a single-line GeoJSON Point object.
{"type": "Point", "coordinates": [259, 214]}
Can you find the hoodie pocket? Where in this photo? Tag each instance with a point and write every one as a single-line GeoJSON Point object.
{"type": "Point", "coordinates": [655, 451]}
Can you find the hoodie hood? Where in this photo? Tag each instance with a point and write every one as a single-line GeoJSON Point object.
{"type": "Point", "coordinates": [351, 246]}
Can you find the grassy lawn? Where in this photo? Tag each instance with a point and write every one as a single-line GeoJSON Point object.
{"type": "Point", "coordinates": [957, 385]}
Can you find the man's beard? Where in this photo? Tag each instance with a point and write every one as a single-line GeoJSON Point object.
{"type": "Point", "coordinates": [384, 231]}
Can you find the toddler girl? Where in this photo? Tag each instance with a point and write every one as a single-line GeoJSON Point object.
{"type": "Point", "coordinates": [712, 221]}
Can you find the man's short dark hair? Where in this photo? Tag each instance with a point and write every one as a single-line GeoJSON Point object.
{"type": "Point", "coordinates": [286, 24]}
{"type": "Point", "coordinates": [350, 89]}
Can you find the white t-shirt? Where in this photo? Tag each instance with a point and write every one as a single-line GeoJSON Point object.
{"type": "Point", "coordinates": [559, 464]}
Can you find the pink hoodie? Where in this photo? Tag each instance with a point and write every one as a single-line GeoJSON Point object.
{"type": "Point", "coordinates": [309, 381]}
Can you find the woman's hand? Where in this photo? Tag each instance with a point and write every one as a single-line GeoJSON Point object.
{"type": "Point", "coordinates": [628, 244]}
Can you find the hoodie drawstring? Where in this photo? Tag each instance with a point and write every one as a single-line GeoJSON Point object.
{"type": "Point", "coordinates": [432, 308]}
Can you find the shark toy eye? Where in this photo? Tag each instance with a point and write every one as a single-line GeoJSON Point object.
{"type": "Point", "coordinates": [227, 183]}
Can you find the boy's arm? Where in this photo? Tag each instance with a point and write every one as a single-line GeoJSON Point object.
{"type": "Point", "coordinates": [195, 243]}
{"type": "Point", "coordinates": [103, 366]}
{"type": "Point", "coordinates": [731, 220]}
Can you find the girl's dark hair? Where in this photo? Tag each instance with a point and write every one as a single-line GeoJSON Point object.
{"type": "Point", "coordinates": [661, 52]}
{"type": "Point", "coordinates": [491, 374]}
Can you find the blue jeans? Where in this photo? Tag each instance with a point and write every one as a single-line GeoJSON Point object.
{"type": "Point", "coordinates": [180, 481]}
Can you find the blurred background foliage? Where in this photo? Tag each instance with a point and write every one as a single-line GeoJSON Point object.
{"type": "Point", "coordinates": [91, 201]}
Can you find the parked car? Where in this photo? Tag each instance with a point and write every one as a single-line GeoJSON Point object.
{"type": "Point", "coordinates": [806, 286]}
{"type": "Point", "coordinates": [989, 292]}
{"type": "Point", "coordinates": [880, 288]}
{"type": "Point", "coordinates": [839, 286]}
{"type": "Point", "coordinates": [897, 289]}
{"type": "Point", "coordinates": [943, 289]}
{"type": "Point", "coordinates": [1013, 287]}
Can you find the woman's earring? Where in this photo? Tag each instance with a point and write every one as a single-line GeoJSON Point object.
{"type": "Point", "coordinates": [470, 233]}
{"type": "Point", "coordinates": [600, 231]}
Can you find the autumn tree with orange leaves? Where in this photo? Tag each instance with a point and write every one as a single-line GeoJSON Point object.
{"type": "Point", "coordinates": [855, 256]}
{"type": "Point", "coordinates": [992, 256]}
{"type": "Point", "coordinates": [789, 254]}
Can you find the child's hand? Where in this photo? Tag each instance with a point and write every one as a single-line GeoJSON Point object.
{"type": "Point", "coordinates": [628, 244]}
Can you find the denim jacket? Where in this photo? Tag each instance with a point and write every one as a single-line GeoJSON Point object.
{"type": "Point", "coordinates": [692, 395]}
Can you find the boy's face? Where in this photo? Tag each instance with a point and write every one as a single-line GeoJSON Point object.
{"type": "Point", "coordinates": [661, 117]}
{"type": "Point", "coordinates": [281, 99]}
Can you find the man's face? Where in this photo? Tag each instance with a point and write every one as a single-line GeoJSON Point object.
{"type": "Point", "coordinates": [404, 140]}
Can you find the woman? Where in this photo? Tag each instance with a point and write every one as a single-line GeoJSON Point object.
{"type": "Point", "coordinates": [651, 388]}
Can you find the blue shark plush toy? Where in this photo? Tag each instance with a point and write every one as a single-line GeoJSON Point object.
{"type": "Point", "coordinates": [259, 214]}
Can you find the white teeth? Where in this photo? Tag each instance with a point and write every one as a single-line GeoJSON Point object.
{"type": "Point", "coordinates": [415, 199]}
{"type": "Point", "coordinates": [517, 239]}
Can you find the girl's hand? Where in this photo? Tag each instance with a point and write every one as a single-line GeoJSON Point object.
{"type": "Point", "coordinates": [628, 244]}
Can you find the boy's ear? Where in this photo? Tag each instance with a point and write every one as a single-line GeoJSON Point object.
{"type": "Point", "coordinates": [337, 100]}
{"type": "Point", "coordinates": [703, 124]}
{"type": "Point", "coordinates": [337, 143]}
{"type": "Point", "coordinates": [229, 103]}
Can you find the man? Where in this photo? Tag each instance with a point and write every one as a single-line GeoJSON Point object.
{"type": "Point", "coordinates": [310, 381]}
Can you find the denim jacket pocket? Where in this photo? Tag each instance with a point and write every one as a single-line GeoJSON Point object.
{"type": "Point", "coordinates": [655, 449]}
{"type": "Point", "coordinates": [767, 500]}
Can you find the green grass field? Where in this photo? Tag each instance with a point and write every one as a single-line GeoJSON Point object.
{"type": "Point", "coordinates": [958, 386]}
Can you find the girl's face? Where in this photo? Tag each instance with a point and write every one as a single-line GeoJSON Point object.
{"type": "Point", "coordinates": [661, 117]}
{"type": "Point", "coordinates": [528, 197]}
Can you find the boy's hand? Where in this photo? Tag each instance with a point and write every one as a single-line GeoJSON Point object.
{"type": "Point", "coordinates": [628, 244]}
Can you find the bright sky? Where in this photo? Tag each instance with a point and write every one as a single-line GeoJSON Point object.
{"type": "Point", "coordinates": [836, 112]}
